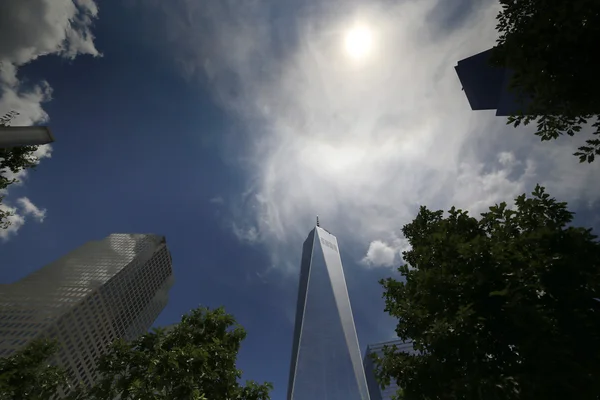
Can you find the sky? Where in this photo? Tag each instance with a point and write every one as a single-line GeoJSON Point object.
{"type": "Point", "coordinates": [227, 126]}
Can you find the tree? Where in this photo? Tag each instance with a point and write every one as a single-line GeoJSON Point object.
{"type": "Point", "coordinates": [549, 45]}
{"type": "Point", "coordinates": [27, 374]}
{"type": "Point", "coordinates": [502, 307]}
{"type": "Point", "coordinates": [193, 360]}
{"type": "Point", "coordinates": [13, 160]}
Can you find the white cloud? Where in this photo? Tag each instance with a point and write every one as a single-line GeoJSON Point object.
{"type": "Point", "coordinates": [39, 27]}
{"type": "Point", "coordinates": [361, 144]}
{"type": "Point", "coordinates": [28, 30]}
{"type": "Point", "coordinates": [31, 209]}
{"type": "Point", "coordinates": [507, 159]}
{"type": "Point", "coordinates": [16, 222]}
{"type": "Point", "coordinates": [385, 253]}
{"type": "Point", "coordinates": [18, 216]}
{"type": "Point", "coordinates": [380, 254]}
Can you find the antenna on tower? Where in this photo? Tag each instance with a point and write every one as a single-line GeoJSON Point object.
{"type": "Point", "coordinates": [318, 221]}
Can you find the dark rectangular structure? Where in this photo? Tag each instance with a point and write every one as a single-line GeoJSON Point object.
{"type": "Point", "coordinates": [487, 86]}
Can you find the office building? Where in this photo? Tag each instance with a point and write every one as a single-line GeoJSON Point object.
{"type": "Point", "coordinates": [104, 290]}
{"type": "Point", "coordinates": [375, 390]}
{"type": "Point", "coordinates": [326, 361]}
{"type": "Point", "coordinates": [487, 87]}
{"type": "Point", "coordinates": [15, 136]}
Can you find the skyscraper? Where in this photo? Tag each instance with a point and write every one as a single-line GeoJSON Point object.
{"type": "Point", "coordinates": [326, 361]}
{"type": "Point", "coordinates": [104, 290]}
{"type": "Point", "coordinates": [487, 87]}
{"type": "Point", "coordinates": [375, 390]}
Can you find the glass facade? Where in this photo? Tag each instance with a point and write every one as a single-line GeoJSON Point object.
{"type": "Point", "coordinates": [326, 361]}
{"type": "Point", "coordinates": [375, 390]}
{"type": "Point", "coordinates": [104, 290]}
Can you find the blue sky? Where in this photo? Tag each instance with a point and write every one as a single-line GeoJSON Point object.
{"type": "Point", "coordinates": [227, 126]}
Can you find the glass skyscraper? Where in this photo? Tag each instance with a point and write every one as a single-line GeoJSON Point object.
{"type": "Point", "coordinates": [326, 361]}
{"type": "Point", "coordinates": [375, 390]}
{"type": "Point", "coordinates": [104, 290]}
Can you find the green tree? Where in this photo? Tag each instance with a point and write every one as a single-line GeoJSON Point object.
{"type": "Point", "coordinates": [13, 160]}
{"type": "Point", "coordinates": [193, 360]}
{"type": "Point", "coordinates": [501, 307]}
{"type": "Point", "coordinates": [28, 375]}
{"type": "Point", "coordinates": [550, 46]}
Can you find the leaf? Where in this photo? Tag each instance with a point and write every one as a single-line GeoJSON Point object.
{"type": "Point", "coordinates": [502, 292]}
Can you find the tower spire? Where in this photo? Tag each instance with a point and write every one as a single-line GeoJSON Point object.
{"type": "Point", "coordinates": [318, 221]}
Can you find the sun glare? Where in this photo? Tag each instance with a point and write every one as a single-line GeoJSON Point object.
{"type": "Point", "coordinates": [338, 159]}
{"type": "Point", "coordinates": [359, 41]}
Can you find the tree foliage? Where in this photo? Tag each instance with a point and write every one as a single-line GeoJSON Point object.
{"type": "Point", "coordinates": [551, 45]}
{"type": "Point", "coordinates": [501, 307]}
{"type": "Point", "coordinates": [28, 375]}
{"type": "Point", "coordinates": [193, 360]}
{"type": "Point", "coordinates": [13, 160]}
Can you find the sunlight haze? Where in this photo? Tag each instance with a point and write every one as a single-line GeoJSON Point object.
{"type": "Point", "coordinates": [358, 42]}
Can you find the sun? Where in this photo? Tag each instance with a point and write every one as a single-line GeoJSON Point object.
{"type": "Point", "coordinates": [337, 159]}
{"type": "Point", "coordinates": [359, 41]}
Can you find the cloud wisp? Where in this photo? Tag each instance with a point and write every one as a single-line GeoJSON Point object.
{"type": "Point", "coordinates": [31, 209]}
{"type": "Point", "coordinates": [18, 216]}
{"type": "Point", "coordinates": [361, 141]}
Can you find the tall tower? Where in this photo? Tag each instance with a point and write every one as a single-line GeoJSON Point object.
{"type": "Point", "coordinates": [326, 361]}
{"type": "Point", "coordinates": [375, 390]}
{"type": "Point", "coordinates": [104, 290]}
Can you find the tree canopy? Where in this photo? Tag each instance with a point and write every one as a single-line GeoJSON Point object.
{"type": "Point", "coordinates": [550, 45]}
{"type": "Point", "coordinates": [28, 375]}
{"type": "Point", "coordinates": [501, 307]}
{"type": "Point", "coordinates": [192, 360]}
